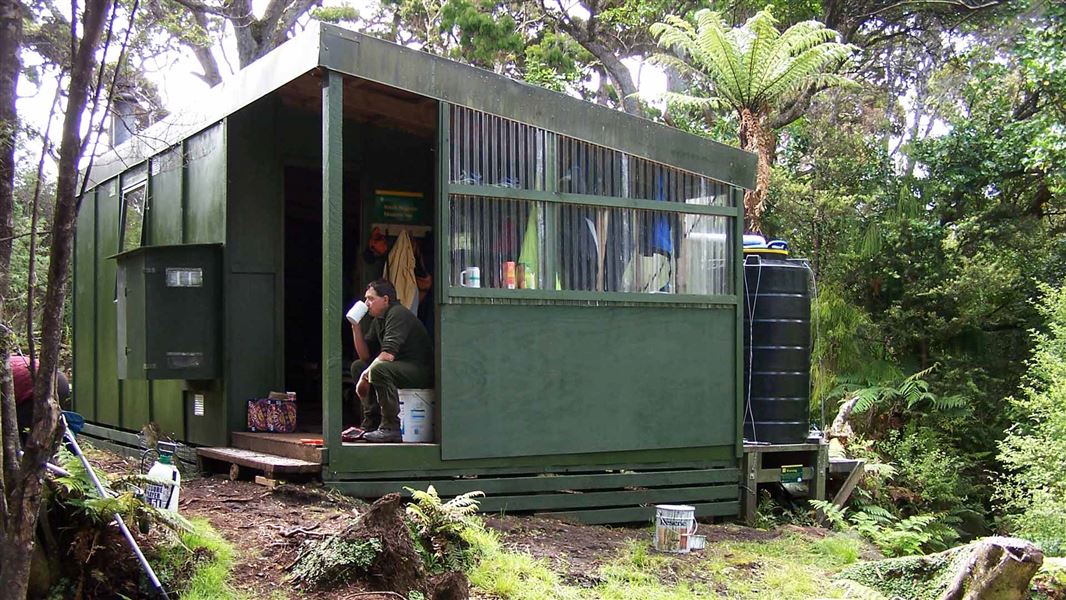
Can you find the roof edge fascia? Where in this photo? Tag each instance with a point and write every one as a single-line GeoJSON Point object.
{"type": "Point", "coordinates": [425, 74]}
{"type": "Point", "coordinates": [277, 68]}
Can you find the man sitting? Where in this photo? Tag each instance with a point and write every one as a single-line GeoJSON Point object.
{"type": "Point", "coordinates": [395, 353]}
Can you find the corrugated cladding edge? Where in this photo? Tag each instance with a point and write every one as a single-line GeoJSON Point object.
{"type": "Point", "coordinates": [443, 79]}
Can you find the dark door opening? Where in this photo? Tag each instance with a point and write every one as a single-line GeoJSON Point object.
{"type": "Point", "coordinates": [303, 288]}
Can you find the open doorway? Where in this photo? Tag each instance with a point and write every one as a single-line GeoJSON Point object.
{"type": "Point", "coordinates": [389, 189]}
{"type": "Point", "coordinates": [303, 286]}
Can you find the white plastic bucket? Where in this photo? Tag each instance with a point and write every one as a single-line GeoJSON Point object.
{"type": "Point", "coordinates": [674, 523]}
{"type": "Point", "coordinates": [416, 415]}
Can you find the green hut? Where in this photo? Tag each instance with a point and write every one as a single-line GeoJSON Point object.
{"type": "Point", "coordinates": [608, 364]}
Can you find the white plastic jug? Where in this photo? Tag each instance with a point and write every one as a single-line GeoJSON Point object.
{"type": "Point", "coordinates": [165, 484]}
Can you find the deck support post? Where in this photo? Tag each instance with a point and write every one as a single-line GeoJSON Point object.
{"type": "Point", "coordinates": [332, 241]}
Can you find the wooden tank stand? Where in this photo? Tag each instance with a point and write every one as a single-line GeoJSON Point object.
{"type": "Point", "coordinates": [774, 463]}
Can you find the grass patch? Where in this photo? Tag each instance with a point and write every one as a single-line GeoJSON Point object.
{"type": "Point", "coordinates": [199, 565]}
{"type": "Point", "coordinates": [790, 566]}
{"type": "Point", "coordinates": [513, 575]}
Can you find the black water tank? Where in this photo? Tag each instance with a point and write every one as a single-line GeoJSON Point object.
{"type": "Point", "coordinates": [777, 347]}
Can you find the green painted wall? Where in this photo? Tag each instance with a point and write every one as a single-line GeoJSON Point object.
{"type": "Point", "coordinates": [84, 306]}
{"type": "Point", "coordinates": [204, 214]}
{"type": "Point", "coordinates": [185, 203]}
{"type": "Point", "coordinates": [134, 399]}
{"type": "Point", "coordinates": [163, 227]}
{"type": "Point", "coordinates": [255, 260]}
{"type": "Point", "coordinates": [107, 226]}
{"type": "Point", "coordinates": [539, 380]}
{"type": "Point", "coordinates": [204, 221]}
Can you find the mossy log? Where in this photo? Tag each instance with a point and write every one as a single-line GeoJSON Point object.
{"type": "Point", "coordinates": [995, 567]}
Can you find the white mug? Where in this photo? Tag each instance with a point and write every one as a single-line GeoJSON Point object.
{"type": "Point", "coordinates": [357, 312]}
{"type": "Point", "coordinates": [470, 277]}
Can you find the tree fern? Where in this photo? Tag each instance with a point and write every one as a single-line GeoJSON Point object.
{"type": "Point", "coordinates": [753, 70]}
{"type": "Point", "coordinates": [755, 66]}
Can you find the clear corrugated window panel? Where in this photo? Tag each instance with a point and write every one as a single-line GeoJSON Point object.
{"type": "Point", "coordinates": [644, 251]}
{"type": "Point", "coordinates": [586, 168]}
{"type": "Point", "coordinates": [493, 151]}
{"type": "Point", "coordinates": [497, 243]}
{"type": "Point", "coordinates": [502, 244]}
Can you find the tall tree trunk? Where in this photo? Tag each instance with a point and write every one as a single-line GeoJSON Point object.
{"type": "Point", "coordinates": [24, 495]}
{"type": "Point", "coordinates": [10, 40]}
{"type": "Point", "coordinates": [756, 137]}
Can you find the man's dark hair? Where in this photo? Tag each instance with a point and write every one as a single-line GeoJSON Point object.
{"type": "Point", "coordinates": [384, 287]}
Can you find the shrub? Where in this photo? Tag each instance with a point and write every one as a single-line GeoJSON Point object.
{"type": "Point", "coordinates": [1032, 491]}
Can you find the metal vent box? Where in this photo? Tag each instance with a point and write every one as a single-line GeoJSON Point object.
{"type": "Point", "coordinates": [169, 306]}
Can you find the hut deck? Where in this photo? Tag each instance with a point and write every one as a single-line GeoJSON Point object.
{"type": "Point", "coordinates": [291, 445]}
{"type": "Point", "coordinates": [270, 464]}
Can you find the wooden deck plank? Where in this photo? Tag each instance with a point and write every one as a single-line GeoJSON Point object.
{"type": "Point", "coordinates": [280, 444]}
{"type": "Point", "coordinates": [268, 463]}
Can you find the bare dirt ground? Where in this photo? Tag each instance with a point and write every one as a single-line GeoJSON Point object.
{"type": "Point", "coordinates": [267, 528]}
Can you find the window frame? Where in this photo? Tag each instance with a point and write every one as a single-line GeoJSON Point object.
{"type": "Point", "coordinates": [453, 294]}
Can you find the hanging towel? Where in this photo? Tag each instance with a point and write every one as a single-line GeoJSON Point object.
{"type": "Point", "coordinates": [400, 270]}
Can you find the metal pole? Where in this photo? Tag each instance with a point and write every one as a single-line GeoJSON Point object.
{"type": "Point", "coordinates": [117, 517]}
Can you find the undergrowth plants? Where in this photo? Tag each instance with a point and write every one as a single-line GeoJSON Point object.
{"type": "Point", "coordinates": [894, 536]}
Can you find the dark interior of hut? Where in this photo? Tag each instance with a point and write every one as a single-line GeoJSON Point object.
{"type": "Point", "coordinates": [388, 190]}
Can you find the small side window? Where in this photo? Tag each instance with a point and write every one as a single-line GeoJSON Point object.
{"type": "Point", "coordinates": [133, 209]}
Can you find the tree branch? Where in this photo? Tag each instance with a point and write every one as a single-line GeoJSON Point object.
{"type": "Point", "coordinates": [952, 3]}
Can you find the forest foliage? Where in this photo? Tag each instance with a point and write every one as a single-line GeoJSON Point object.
{"type": "Point", "coordinates": [929, 199]}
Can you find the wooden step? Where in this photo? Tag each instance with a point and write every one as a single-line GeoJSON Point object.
{"type": "Point", "coordinates": [279, 444]}
{"type": "Point", "coordinates": [270, 464]}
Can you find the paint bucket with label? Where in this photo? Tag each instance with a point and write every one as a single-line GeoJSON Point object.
{"type": "Point", "coordinates": [674, 524]}
{"type": "Point", "coordinates": [416, 415]}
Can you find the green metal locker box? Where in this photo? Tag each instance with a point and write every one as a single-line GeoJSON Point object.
{"type": "Point", "coordinates": [169, 302]}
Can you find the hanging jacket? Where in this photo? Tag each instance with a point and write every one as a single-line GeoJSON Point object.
{"type": "Point", "coordinates": [400, 270]}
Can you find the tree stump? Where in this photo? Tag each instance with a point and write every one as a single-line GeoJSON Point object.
{"type": "Point", "coordinates": [997, 568]}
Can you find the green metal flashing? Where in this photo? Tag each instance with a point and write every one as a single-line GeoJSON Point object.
{"type": "Point", "coordinates": [487, 191]}
{"type": "Point", "coordinates": [332, 241]}
{"type": "Point", "coordinates": [449, 81]}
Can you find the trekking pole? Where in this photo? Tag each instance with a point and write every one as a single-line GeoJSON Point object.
{"type": "Point", "coordinates": [118, 518]}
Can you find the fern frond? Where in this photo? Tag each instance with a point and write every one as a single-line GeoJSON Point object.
{"type": "Point", "coordinates": [868, 398]}
{"type": "Point", "coordinates": [877, 513]}
{"type": "Point", "coordinates": [669, 61]}
{"type": "Point", "coordinates": [834, 514]}
{"type": "Point", "coordinates": [765, 36]}
{"type": "Point", "coordinates": [722, 55]}
{"type": "Point", "coordinates": [803, 71]}
{"type": "Point", "coordinates": [870, 245]}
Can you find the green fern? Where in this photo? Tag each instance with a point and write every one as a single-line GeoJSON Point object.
{"type": "Point", "coordinates": [754, 66]}
{"type": "Point", "coordinates": [439, 526]}
{"type": "Point", "coordinates": [833, 514]}
{"type": "Point", "coordinates": [912, 394]}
